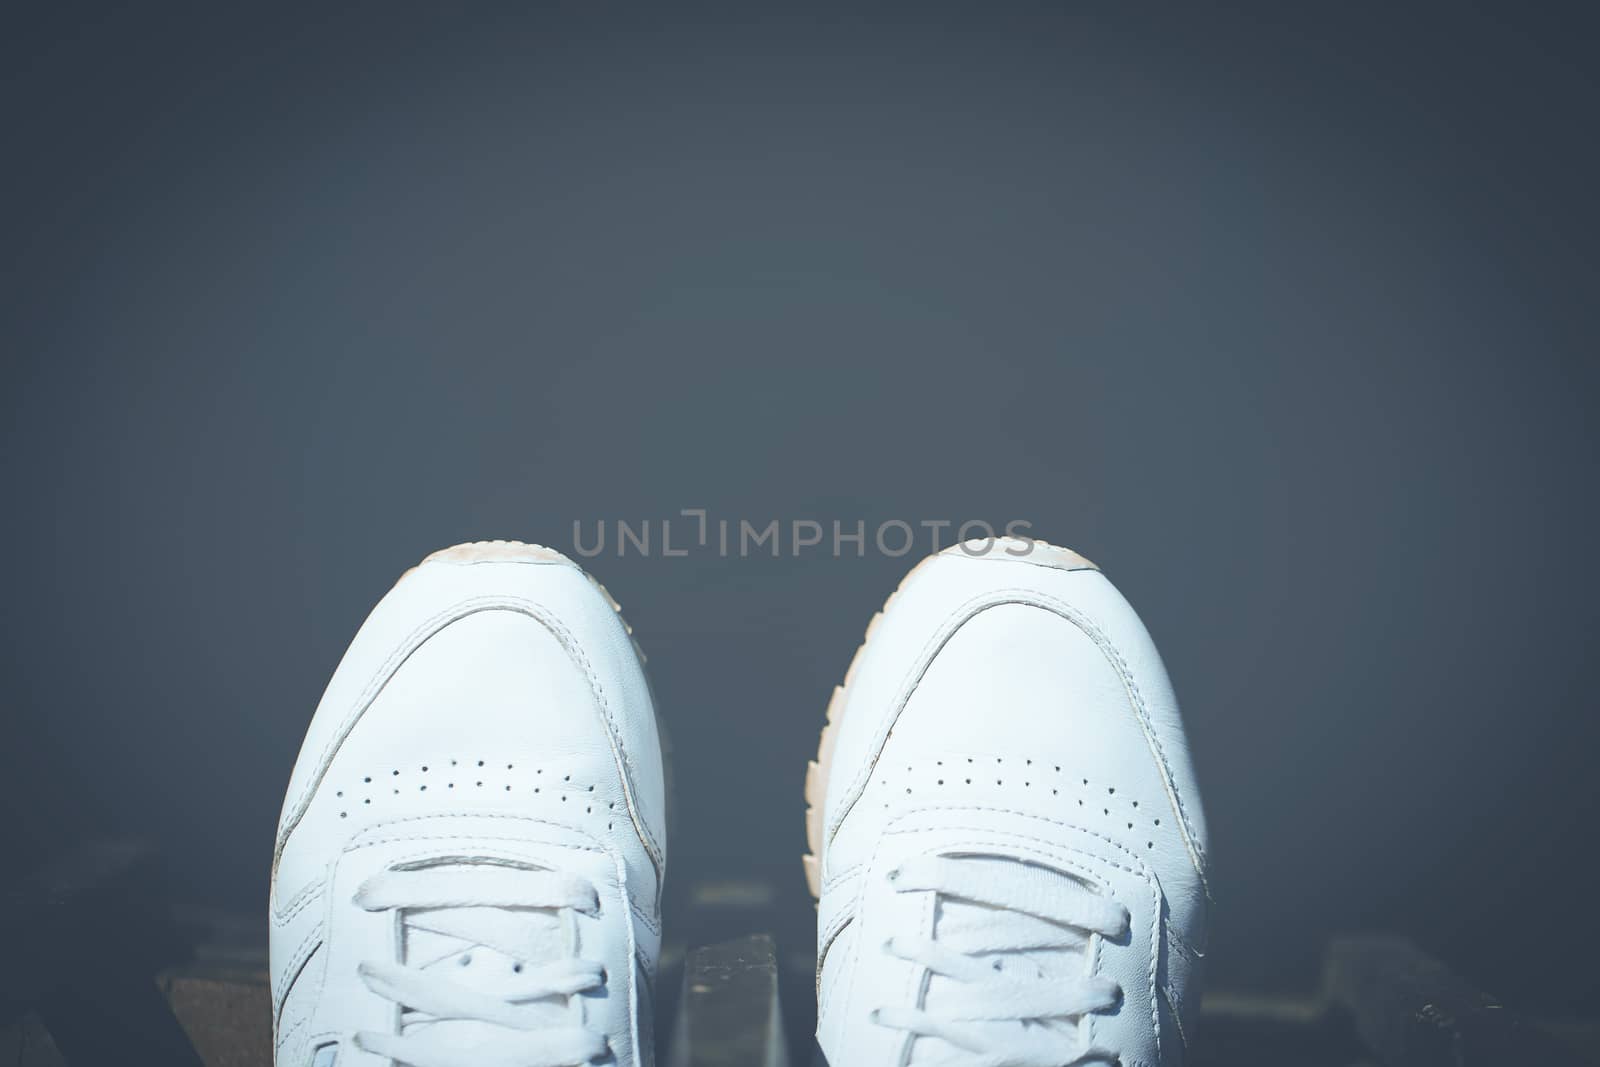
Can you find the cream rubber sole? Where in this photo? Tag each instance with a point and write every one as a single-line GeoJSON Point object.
{"type": "Point", "coordinates": [1042, 554]}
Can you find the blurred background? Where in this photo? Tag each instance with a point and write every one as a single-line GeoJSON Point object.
{"type": "Point", "coordinates": [1287, 320]}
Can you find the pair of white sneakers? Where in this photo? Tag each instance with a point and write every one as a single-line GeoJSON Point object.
{"type": "Point", "coordinates": [1007, 843]}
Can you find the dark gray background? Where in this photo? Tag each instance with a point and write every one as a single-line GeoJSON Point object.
{"type": "Point", "coordinates": [1288, 321]}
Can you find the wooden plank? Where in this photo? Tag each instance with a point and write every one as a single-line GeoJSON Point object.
{"type": "Point", "coordinates": [85, 935]}
{"type": "Point", "coordinates": [729, 1016]}
{"type": "Point", "coordinates": [226, 1013]}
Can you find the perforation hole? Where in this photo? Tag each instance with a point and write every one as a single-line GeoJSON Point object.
{"type": "Point", "coordinates": [584, 792]}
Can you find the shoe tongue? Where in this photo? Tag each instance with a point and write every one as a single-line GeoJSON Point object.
{"type": "Point", "coordinates": [479, 967]}
{"type": "Point", "coordinates": [983, 932]}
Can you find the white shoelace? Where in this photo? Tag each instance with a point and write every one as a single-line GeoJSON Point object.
{"type": "Point", "coordinates": [1009, 937]}
{"type": "Point", "coordinates": [518, 914]}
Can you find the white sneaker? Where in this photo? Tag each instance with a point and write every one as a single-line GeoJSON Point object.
{"type": "Point", "coordinates": [1007, 841]}
{"type": "Point", "coordinates": [469, 861]}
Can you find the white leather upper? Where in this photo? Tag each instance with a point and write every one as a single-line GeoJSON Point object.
{"type": "Point", "coordinates": [489, 710]}
{"type": "Point", "coordinates": [1006, 707]}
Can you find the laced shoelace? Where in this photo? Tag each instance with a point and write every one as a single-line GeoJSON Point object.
{"type": "Point", "coordinates": [510, 910]}
{"type": "Point", "coordinates": [1027, 910]}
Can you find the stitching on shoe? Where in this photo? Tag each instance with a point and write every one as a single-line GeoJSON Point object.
{"type": "Point", "coordinates": [1183, 948]}
{"type": "Point", "coordinates": [1009, 838]}
{"type": "Point", "coordinates": [618, 872]}
{"type": "Point", "coordinates": [280, 1041]}
{"type": "Point", "coordinates": [828, 996]}
{"type": "Point", "coordinates": [843, 876]}
{"type": "Point", "coordinates": [599, 848]}
{"type": "Point", "coordinates": [457, 837]}
{"type": "Point", "coordinates": [891, 828]}
{"type": "Point", "coordinates": [297, 963]}
{"type": "Point", "coordinates": [411, 643]}
{"type": "Point", "coordinates": [831, 932]}
{"type": "Point", "coordinates": [438, 816]}
{"type": "Point", "coordinates": [298, 903]}
{"type": "Point", "coordinates": [966, 612]}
